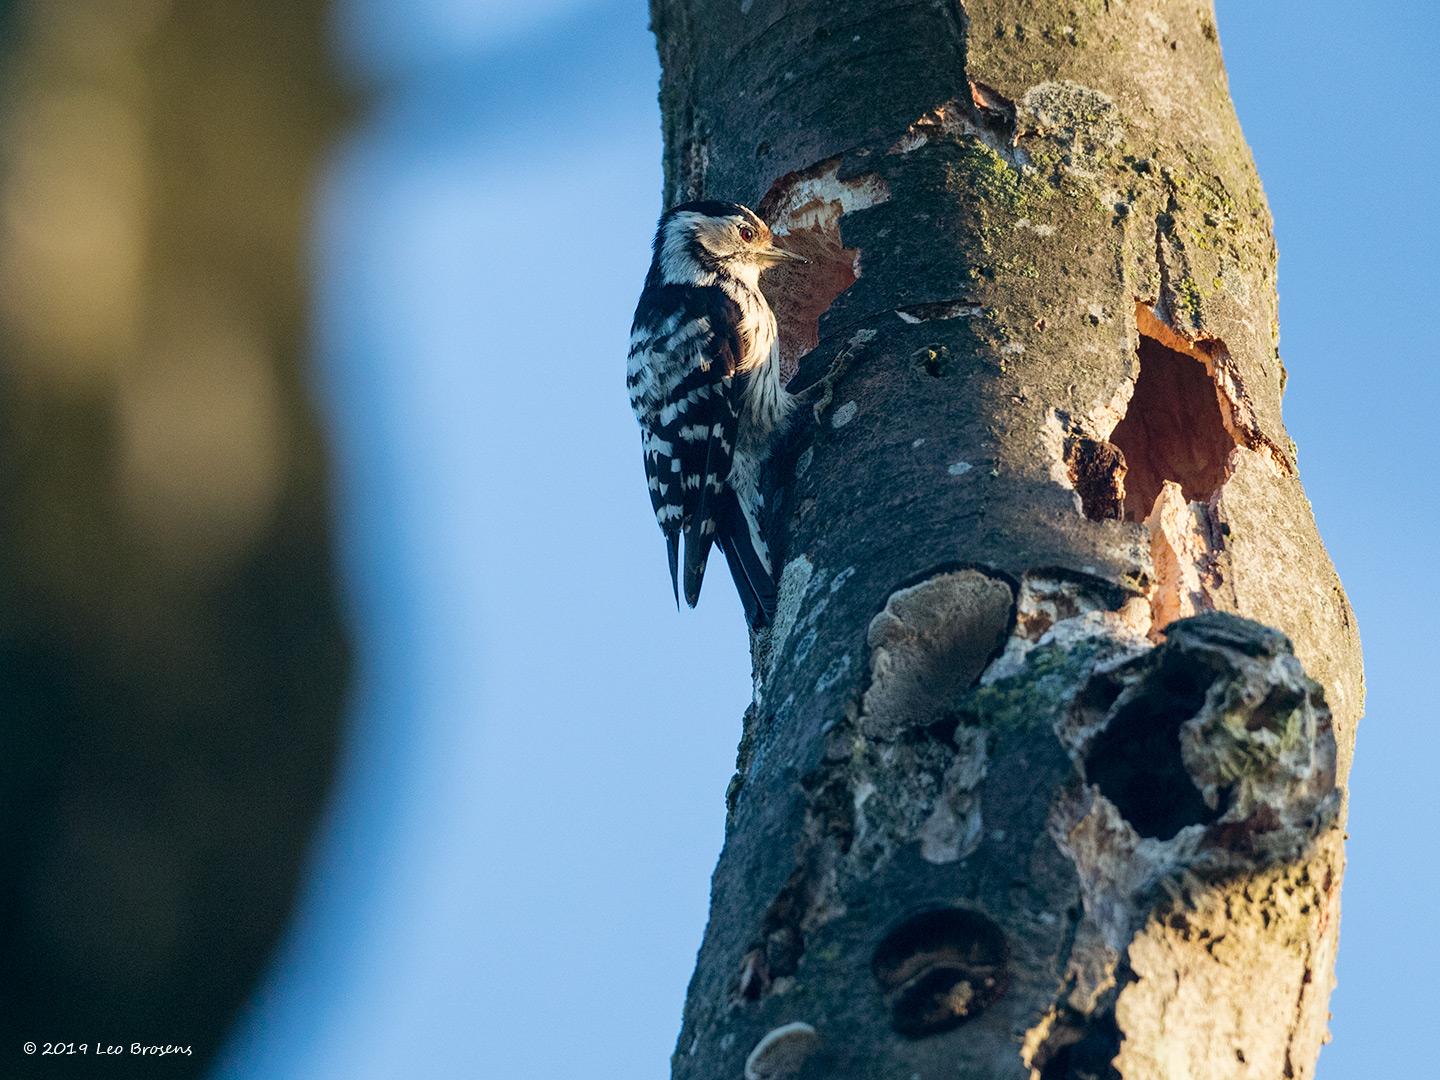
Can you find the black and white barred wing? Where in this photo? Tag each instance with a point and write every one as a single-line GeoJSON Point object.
{"type": "Point", "coordinates": [684, 352]}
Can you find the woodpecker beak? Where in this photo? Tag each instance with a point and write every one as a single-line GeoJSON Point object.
{"type": "Point", "coordinates": [778, 255]}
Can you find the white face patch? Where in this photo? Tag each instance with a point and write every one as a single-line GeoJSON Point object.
{"type": "Point", "coordinates": [720, 236]}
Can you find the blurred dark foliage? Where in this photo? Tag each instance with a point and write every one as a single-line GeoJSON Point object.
{"type": "Point", "coordinates": [172, 660]}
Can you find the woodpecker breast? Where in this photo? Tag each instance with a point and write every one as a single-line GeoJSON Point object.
{"type": "Point", "coordinates": [765, 402]}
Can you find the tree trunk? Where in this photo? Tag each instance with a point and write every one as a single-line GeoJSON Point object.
{"type": "Point", "coordinates": [1034, 783]}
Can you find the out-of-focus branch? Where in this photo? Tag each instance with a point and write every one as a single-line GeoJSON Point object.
{"type": "Point", "coordinates": [172, 662]}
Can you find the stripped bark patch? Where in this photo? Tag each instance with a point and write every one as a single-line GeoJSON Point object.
{"type": "Point", "coordinates": [1236, 415]}
{"type": "Point", "coordinates": [1183, 426]}
{"type": "Point", "coordinates": [805, 208]}
{"type": "Point", "coordinates": [1178, 421]}
{"type": "Point", "coordinates": [1160, 455]}
{"type": "Point", "coordinates": [1184, 553]}
{"type": "Point", "coordinates": [987, 116]}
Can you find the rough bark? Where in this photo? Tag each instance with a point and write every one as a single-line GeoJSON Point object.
{"type": "Point", "coordinates": [172, 661]}
{"type": "Point", "coordinates": [1034, 782]}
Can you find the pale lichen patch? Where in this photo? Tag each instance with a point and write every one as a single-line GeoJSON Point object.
{"type": "Point", "coordinates": [955, 825]}
{"type": "Point", "coordinates": [836, 670]}
{"type": "Point", "coordinates": [795, 581]}
{"type": "Point", "coordinates": [1037, 229]}
{"type": "Point", "coordinates": [1053, 609]}
{"type": "Point", "coordinates": [1084, 121]}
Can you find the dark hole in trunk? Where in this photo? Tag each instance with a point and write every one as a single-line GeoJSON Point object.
{"type": "Point", "coordinates": [941, 968]}
{"type": "Point", "coordinates": [1137, 765]}
{"type": "Point", "coordinates": [1172, 430]}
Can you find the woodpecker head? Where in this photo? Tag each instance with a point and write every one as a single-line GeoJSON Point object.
{"type": "Point", "coordinates": [699, 241]}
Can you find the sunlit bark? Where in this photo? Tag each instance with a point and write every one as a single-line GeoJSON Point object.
{"type": "Point", "coordinates": [1034, 783]}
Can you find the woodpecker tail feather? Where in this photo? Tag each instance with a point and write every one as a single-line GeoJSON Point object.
{"type": "Point", "coordinates": [749, 564]}
{"type": "Point", "coordinates": [672, 550]}
{"type": "Point", "coordinates": [700, 523]}
{"type": "Point", "coordinates": [697, 550]}
{"type": "Point", "coordinates": [756, 594]}
{"type": "Point", "coordinates": [733, 532]}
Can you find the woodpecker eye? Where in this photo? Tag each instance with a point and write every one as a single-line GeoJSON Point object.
{"type": "Point", "coordinates": [747, 233]}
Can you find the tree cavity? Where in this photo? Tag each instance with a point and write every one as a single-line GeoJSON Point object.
{"type": "Point", "coordinates": [1178, 428]}
{"type": "Point", "coordinates": [940, 968]}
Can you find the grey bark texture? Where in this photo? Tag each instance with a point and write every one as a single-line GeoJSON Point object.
{"type": "Point", "coordinates": [1044, 773]}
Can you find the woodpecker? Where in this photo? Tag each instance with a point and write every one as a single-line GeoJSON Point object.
{"type": "Point", "coordinates": [704, 381]}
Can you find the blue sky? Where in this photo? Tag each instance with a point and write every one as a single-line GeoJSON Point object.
{"type": "Point", "coordinates": [513, 877]}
